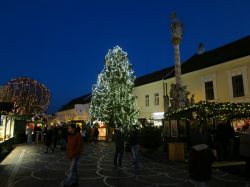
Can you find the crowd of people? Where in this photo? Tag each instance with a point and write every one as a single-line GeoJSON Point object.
{"type": "Point", "coordinates": [70, 137]}
{"type": "Point", "coordinates": [52, 136]}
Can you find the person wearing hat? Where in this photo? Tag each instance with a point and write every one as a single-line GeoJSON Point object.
{"type": "Point", "coordinates": [74, 148]}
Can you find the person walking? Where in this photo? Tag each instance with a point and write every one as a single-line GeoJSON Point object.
{"type": "Point", "coordinates": [49, 138]}
{"type": "Point", "coordinates": [96, 134]}
{"type": "Point", "coordinates": [119, 147]}
{"type": "Point", "coordinates": [78, 128]}
{"type": "Point", "coordinates": [62, 136]}
{"type": "Point", "coordinates": [44, 131]}
{"type": "Point", "coordinates": [74, 148]}
{"type": "Point", "coordinates": [29, 134]}
{"type": "Point", "coordinates": [36, 133]}
{"type": "Point", "coordinates": [224, 141]}
{"type": "Point", "coordinates": [55, 135]}
{"type": "Point", "coordinates": [244, 149]}
{"type": "Point", "coordinates": [133, 141]}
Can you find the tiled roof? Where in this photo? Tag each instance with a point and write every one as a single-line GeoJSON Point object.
{"type": "Point", "coordinates": [233, 50]}
{"type": "Point", "coordinates": [155, 76]}
{"type": "Point", "coordinates": [80, 100]}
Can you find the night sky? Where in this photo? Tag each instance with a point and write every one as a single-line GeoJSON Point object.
{"type": "Point", "coordinates": [62, 43]}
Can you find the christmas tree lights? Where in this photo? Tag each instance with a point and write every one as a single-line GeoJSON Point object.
{"type": "Point", "coordinates": [113, 100]}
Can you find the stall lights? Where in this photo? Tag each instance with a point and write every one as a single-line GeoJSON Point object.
{"type": "Point", "coordinates": [6, 128]}
{"type": "Point", "coordinates": [209, 110]}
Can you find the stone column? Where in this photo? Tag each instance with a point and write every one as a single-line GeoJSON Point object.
{"type": "Point", "coordinates": [176, 30]}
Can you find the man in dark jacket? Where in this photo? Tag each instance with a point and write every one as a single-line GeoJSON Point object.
{"type": "Point", "coordinates": [49, 138]}
{"type": "Point", "coordinates": [133, 140]}
{"type": "Point", "coordinates": [119, 147]}
{"type": "Point", "coordinates": [244, 149]}
{"type": "Point", "coordinates": [96, 134]}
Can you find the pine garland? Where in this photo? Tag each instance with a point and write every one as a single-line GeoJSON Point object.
{"type": "Point", "coordinates": [211, 110]}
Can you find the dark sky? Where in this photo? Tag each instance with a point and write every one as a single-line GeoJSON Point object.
{"type": "Point", "coordinates": [62, 43]}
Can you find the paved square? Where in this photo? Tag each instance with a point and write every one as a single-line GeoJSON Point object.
{"type": "Point", "coordinates": [29, 166]}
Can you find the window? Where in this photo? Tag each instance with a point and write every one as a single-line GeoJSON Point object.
{"type": "Point", "coordinates": [238, 83]}
{"type": "Point", "coordinates": [209, 90]}
{"type": "Point", "coordinates": [147, 100]}
{"type": "Point", "coordinates": [238, 87]}
{"type": "Point", "coordinates": [156, 98]}
{"type": "Point", "coordinates": [209, 85]}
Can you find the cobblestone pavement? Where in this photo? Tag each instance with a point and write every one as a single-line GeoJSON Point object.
{"type": "Point", "coordinates": [29, 166]}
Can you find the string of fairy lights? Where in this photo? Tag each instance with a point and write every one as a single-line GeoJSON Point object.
{"type": "Point", "coordinates": [211, 110]}
{"type": "Point", "coordinates": [28, 95]}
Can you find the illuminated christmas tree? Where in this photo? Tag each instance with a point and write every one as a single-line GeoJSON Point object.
{"type": "Point", "coordinates": [113, 100]}
{"type": "Point", "coordinates": [98, 105]}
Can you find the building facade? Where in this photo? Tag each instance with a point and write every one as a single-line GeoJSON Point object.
{"type": "Point", "coordinates": [219, 75]}
{"type": "Point", "coordinates": [76, 110]}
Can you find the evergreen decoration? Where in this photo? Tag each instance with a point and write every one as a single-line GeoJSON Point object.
{"type": "Point", "coordinates": [211, 110]}
{"type": "Point", "coordinates": [113, 99]}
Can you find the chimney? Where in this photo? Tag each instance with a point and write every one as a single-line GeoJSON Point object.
{"type": "Point", "coordinates": [201, 49]}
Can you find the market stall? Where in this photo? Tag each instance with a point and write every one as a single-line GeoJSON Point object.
{"type": "Point", "coordinates": [6, 122]}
